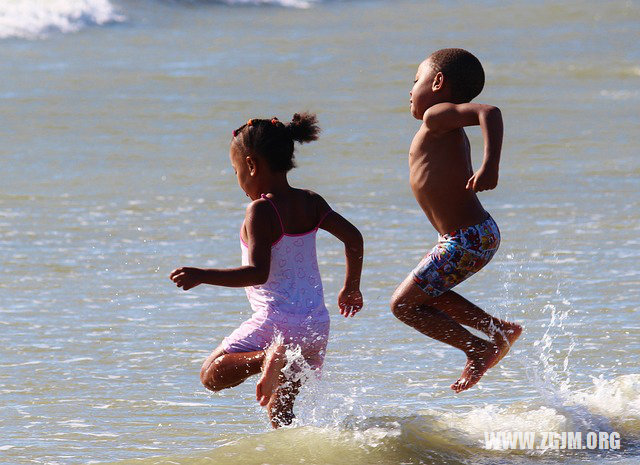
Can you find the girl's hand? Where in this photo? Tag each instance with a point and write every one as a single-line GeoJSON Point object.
{"type": "Point", "coordinates": [186, 277]}
{"type": "Point", "coordinates": [349, 301]}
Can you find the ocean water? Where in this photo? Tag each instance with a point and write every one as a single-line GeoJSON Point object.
{"type": "Point", "coordinates": [116, 118]}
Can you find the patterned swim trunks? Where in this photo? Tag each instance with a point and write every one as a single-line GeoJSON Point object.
{"type": "Point", "coordinates": [456, 257]}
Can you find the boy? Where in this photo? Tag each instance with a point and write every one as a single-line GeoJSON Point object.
{"type": "Point", "coordinates": [445, 187]}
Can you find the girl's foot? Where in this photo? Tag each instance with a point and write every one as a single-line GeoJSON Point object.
{"type": "Point", "coordinates": [280, 407]}
{"type": "Point", "coordinates": [478, 362]}
{"type": "Point", "coordinates": [274, 362]}
{"type": "Point", "coordinates": [504, 337]}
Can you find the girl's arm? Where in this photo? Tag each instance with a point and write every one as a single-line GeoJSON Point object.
{"type": "Point", "coordinates": [350, 297]}
{"type": "Point", "coordinates": [259, 227]}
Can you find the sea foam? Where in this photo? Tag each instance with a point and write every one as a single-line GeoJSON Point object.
{"type": "Point", "coordinates": [34, 19]}
{"type": "Point", "coordinates": [285, 3]}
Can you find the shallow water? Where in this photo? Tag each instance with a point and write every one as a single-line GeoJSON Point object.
{"type": "Point", "coordinates": [114, 170]}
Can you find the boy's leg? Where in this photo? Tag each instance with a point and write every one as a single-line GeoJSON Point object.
{"type": "Point", "coordinates": [414, 307]}
{"type": "Point", "coordinates": [502, 333]}
{"type": "Point", "coordinates": [223, 370]}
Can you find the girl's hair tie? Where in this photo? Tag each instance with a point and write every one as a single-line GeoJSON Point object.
{"type": "Point", "coordinates": [273, 139]}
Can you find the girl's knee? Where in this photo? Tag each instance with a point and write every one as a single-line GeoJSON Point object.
{"type": "Point", "coordinates": [209, 381]}
{"type": "Point", "coordinates": [211, 375]}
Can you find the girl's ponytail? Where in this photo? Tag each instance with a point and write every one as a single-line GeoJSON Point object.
{"type": "Point", "coordinates": [304, 127]}
{"type": "Point", "coordinates": [274, 141]}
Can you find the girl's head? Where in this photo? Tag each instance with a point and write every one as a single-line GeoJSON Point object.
{"type": "Point", "coordinates": [263, 148]}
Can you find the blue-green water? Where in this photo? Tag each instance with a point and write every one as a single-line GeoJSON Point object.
{"type": "Point", "coordinates": [114, 170]}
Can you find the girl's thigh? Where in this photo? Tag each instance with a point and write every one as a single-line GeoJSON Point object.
{"type": "Point", "coordinates": [224, 369]}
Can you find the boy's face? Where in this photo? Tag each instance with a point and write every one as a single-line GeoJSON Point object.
{"type": "Point", "coordinates": [423, 91]}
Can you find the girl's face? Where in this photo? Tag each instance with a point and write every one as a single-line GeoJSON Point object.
{"type": "Point", "coordinates": [245, 170]}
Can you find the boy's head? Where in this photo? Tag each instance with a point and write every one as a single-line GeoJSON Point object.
{"type": "Point", "coordinates": [454, 74]}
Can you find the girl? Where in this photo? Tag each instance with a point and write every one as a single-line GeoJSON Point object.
{"type": "Point", "coordinates": [279, 268]}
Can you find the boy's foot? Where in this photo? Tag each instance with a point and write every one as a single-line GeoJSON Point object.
{"type": "Point", "coordinates": [274, 362]}
{"type": "Point", "coordinates": [504, 338]}
{"type": "Point", "coordinates": [477, 365]}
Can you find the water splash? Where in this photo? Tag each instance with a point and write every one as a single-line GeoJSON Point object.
{"type": "Point", "coordinates": [617, 399]}
{"type": "Point", "coordinates": [546, 371]}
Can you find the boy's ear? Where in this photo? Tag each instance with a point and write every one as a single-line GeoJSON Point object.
{"type": "Point", "coordinates": [438, 81]}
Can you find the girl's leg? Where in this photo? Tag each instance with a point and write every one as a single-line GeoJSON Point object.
{"type": "Point", "coordinates": [273, 362]}
{"type": "Point", "coordinates": [280, 407]}
{"type": "Point", "coordinates": [223, 370]}
{"type": "Point", "coordinates": [273, 390]}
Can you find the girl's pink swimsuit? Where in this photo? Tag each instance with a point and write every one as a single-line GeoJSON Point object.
{"type": "Point", "coordinates": [290, 303]}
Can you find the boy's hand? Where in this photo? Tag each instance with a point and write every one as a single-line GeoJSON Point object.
{"type": "Point", "coordinates": [482, 180]}
{"type": "Point", "coordinates": [349, 301]}
{"type": "Point", "coordinates": [186, 277]}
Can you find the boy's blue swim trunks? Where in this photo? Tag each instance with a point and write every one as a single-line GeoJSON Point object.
{"type": "Point", "coordinates": [456, 257]}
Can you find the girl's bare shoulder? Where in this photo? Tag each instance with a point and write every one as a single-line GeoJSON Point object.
{"type": "Point", "coordinates": [313, 199]}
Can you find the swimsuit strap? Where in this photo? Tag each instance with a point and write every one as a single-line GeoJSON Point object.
{"type": "Point", "coordinates": [276, 209]}
{"type": "Point", "coordinates": [323, 217]}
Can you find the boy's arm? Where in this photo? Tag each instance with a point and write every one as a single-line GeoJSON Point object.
{"type": "Point", "coordinates": [257, 272]}
{"type": "Point", "coordinates": [445, 117]}
{"type": "Point", "coordinates": [350, 297]}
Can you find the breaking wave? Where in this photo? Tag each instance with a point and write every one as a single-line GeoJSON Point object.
{"type": "Point", "coordinates": [34, 19]}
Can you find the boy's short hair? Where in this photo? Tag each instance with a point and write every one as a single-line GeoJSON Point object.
{"type": "Point", "coordinates": [462, 69]}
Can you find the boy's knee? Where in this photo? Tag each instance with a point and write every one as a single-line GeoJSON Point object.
{"type": "Point", "coordinates": [398, 306]}
{"type": "Point", "coordinates": [404, 298]}
{"type": "Point", "coordinates": [409, 303]}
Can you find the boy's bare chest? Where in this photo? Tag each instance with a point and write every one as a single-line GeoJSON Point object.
{"type": "Point", "coordinates": [438, 161]}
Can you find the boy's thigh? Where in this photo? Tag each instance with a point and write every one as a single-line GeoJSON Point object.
{"type": "Point", "coordinates": [446, 266]}
{"type": "Point", "coordinates": [409, 294]}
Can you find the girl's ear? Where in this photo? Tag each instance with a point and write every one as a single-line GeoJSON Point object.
{"type": "Point", "coordinates": [438, 81]}
{"type": "Point", "coordinates": [251, 164]}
